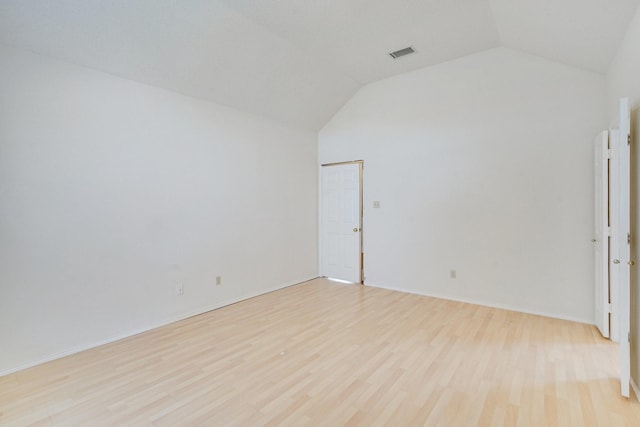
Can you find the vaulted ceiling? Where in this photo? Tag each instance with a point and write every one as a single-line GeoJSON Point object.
{"type": "Point", "coordinates": [298, 61]}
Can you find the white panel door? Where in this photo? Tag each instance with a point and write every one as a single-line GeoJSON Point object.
{"type": "Point", "coordinates": [340, 226]}
{"type": "Point", "coordinates": [601, 235]}
{"type": "Point", "coordinates": [614, 248]}
{"type": "Point", "coordinates": [624, 245]}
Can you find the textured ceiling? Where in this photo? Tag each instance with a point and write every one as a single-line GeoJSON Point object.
{"type": "Point", "coordinates": [298, 61]}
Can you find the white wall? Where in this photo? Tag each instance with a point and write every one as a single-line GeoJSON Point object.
{"type": "Point", "coordinates": [623, 81]}
{"type": "Point", "coordinates": [482, 165]}
{"type": "Point", "coordinates": [623, 77]}
{"type": "Point", "coordinates": [112, 192]}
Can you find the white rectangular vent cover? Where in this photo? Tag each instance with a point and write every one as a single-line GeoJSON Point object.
{"type": "Point", "coordinates": [402, 52]}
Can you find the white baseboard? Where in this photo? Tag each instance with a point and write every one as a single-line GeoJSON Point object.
{"type": "Point", "coordinates": [485, 304]}
{"type": "Point", "coordinates": [635, 388]}
{"type": "Point", "coordinates": [154, 325]}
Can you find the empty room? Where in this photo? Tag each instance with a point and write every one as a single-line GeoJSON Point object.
{"type": "Point", "coordinates": [322, 213]}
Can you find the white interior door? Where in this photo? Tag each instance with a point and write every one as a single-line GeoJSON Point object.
{"type": "Point", "coordinates": [614, 247]}
{"type": "Point", "coordinates": [601, 233]}
{"type": "Point", "coordinates": [340, 227]}
{"type": "Point", "coordinates": [624, 245]}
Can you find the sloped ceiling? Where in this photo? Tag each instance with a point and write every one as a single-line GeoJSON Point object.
{"type": "Point", "coordinates": [298, 61]}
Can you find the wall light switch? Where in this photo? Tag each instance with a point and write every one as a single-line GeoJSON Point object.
{"type": "Point", "coordinates": [376, 204]}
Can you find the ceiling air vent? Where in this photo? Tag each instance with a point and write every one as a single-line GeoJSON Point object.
{"type": "Point", "coordinates": [402, 52]}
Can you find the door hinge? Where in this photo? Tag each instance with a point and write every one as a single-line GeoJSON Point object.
{"type": "Point", "coordinates": [629, 336]}
{"type": "Point", "coordinates": [610, 308]}
{"type": "Point", "coordinates": [609, 153]}
{"type": "Point", "coordinates": [628, 238]}
{"type": "Point", "coordinates": [609, 232]}
{"type": "Point", "coordinates": [628, 139]}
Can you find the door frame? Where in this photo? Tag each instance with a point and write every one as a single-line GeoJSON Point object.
{"type": "Point", "coordinates": [361, 213]}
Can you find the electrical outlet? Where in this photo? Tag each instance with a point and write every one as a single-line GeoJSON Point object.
{"type": "Point", "coordinates": [218, 280]}
{"type": "Point", "coordinates": [453, 274]}
{"type": "Point", "coordinates": [179, 289]}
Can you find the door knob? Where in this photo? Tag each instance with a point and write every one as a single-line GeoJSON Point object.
{"type": "Point", "coordinates": [355, 230]}
{"type": "Point", "coordinates": [616, 261]}
{"type": "Point", "coordinates": [631, 263]}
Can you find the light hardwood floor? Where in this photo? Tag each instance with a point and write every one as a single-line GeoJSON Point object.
{"type": "Point", "coordinates": [322, 353]}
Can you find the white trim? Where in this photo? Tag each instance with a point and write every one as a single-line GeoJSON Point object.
{"type": "Point", "coordinates": [319, 224]}
{"type": "Point", "coordinates": [155, 325]}
{"type": "Point", "coordinates": [635, 388]}
{"type": "Point", "coordinates": [487, 304]}
{"type": "Point", "coordinates": [347, 282]}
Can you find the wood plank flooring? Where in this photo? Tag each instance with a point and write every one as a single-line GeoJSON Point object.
{"type": "Point", "coordinates": [327, 354]}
